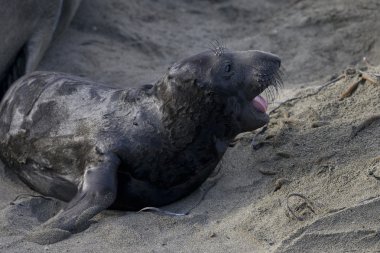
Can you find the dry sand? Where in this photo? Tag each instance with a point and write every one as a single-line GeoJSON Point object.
{"type": "Point", "coordinates": [313, 183]}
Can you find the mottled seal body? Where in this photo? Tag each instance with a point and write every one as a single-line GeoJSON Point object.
{"type": "Point", "coordinates": [98, 146]}
{"type": "Point", "coordinates": [27, 28]}
{"type": "Point", "coordinates": [70, 124]}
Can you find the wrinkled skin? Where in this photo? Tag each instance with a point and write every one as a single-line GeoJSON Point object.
{"type": "Point", "coordinates": [99, 147]}
{"type": "Point", "coordinates": [27, 28]}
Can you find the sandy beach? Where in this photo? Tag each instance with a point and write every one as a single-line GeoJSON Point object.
{"type": "Point", "coordinates": [309, 183]}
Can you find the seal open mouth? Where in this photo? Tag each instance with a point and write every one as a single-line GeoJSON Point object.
{"type": "Point", "coordinates": [260, 104]}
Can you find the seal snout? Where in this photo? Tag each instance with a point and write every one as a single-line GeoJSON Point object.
{"type": "Point", "coordinates": [267, 58]}
{"type": "Point", "coordinates": [265, 74]}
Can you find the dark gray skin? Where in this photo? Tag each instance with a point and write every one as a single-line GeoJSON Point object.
{"type": "Point", "coordinates": [99, 147]}
{"type": "Point", "coordinates": [27, 28]}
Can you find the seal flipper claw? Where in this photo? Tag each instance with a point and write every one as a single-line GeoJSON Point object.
{"type": "Point", "coordinates": [97, 192]}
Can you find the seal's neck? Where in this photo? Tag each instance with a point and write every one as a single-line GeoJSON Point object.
{"type": "Point", "coordinates": [191, 113]}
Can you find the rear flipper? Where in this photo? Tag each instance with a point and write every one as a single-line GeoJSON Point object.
{"type": "Point", "coordinates": [97, 192]}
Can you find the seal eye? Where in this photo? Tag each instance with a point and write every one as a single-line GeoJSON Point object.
{"type": "Point", "coordinates": [227, 68]}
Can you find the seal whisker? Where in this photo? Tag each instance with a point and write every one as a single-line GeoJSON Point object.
{"type": "Point", "coordinates": [212, 47]}
{"type": "Point", "coordinates": [270, 93]}
{"type": "Point", "coordinates": [218, 48]}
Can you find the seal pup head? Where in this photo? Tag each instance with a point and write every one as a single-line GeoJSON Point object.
{"type": "Point", "coordinates": [237, 78]}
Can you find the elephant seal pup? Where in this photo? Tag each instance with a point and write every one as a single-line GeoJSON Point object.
{"type": "Point", "coordinates": [99, 147]}
{"type": "Point", "coordinates": [27, 29]}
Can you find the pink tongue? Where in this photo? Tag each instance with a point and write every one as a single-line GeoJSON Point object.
{"type": "Point", "coordinates": [260, 103]}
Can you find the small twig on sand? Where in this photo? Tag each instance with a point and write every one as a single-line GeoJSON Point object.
{"type": "Point", "coordinates": [307, 201]}
{"type": "Point", "coordinates": [363, 76]}
{"type": "Point", "coordinates": [351, 89]}
{"type": "Point", "coordinates": [373, 78]}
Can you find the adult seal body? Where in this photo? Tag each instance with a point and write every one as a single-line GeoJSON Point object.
{"type": "Point", "coordinates": [99, 147]}
{"type": "Point", "coordinates": [27, 28]}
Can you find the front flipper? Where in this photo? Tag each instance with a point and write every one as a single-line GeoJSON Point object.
{"type": "Point", "coordinates": [97, 192]}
